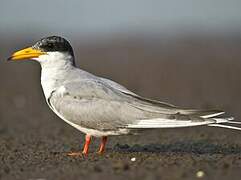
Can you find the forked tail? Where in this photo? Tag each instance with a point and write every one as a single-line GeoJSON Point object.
{"type": "Point", "coordinates": [188, 118]}
{"type": "Point", "coordinates": [228, 121]}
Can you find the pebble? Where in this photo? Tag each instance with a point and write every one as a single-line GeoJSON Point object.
{"type": "Point", "coordinates": [133, 159]}
{"type": "Point", "coordinates": [200, 174]}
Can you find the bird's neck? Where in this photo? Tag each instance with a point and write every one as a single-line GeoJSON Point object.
{"type": "Point", "coordinates": [53, 74]}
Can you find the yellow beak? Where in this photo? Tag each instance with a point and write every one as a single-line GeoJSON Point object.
{"type": "Point", "coordinates": [27, 53]}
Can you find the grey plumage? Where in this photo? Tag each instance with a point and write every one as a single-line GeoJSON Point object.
{"type": "Point", "coordinates": [99, 106]}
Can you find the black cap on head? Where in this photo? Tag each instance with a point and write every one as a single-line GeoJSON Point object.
{"type": "Point", "coordinates": [53, 43]}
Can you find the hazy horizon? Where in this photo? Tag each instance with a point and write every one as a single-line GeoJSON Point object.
{"type": "Point", "coordinates": [103, 18]}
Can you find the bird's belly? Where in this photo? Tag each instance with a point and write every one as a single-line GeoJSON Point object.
{"type": "Point", "coordinates": [89, 131]}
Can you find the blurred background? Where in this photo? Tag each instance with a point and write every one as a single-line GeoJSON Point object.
{"type": "Point", "coordinates": [185, 52]}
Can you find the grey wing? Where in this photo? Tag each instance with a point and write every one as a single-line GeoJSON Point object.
{"type": "Point", "coordinates": [91, 104]}
{"type": "Point", "coordinates": [104, 106]}
{"type": "Point", "coordinates": [161, 107]}
{"type": "Point", "coordinates": [128, 92]}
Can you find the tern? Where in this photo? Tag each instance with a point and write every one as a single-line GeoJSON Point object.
{"type": "Point", "coordinates": [100, 107]}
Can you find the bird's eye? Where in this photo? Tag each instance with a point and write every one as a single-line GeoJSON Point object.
{"type": "Point", "coordinates": [50, 46]}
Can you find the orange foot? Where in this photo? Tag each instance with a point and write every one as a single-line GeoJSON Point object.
{"type": "Point", "coordinates": [85, 150]}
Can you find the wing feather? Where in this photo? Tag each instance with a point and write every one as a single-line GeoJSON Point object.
{"type": "Point", "coordinates": [105, 105]}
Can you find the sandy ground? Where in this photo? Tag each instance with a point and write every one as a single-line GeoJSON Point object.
{"type": "Point", "coordinates": [34, 142]}
{"type": "Point", "coordinates": [40, 153]}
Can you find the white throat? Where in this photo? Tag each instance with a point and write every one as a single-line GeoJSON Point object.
{"type": "Point", "coordinates": [55, 60]}
{"type": "Point", "coordinates": [55, 66]}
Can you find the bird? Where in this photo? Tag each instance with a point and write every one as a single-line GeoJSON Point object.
{"type": "Point", "coordinates": [100, 107]}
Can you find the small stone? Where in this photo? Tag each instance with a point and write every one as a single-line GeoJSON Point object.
{"type": "Point", "coordinates": [133, 159]}
{"type": "Point", "coordinates": [200, 174]}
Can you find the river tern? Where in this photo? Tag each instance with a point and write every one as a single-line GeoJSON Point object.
{"type": "Point", "coordinates": [100, 107]}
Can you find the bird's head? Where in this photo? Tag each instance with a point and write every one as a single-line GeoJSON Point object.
{"type": "Point", "coordinates": [49, 49]}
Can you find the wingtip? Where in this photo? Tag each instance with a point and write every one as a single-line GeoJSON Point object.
{"type": "Point", "coordinates": [213, 115]}
{"type": "Point", "coordinates": [225, 126]}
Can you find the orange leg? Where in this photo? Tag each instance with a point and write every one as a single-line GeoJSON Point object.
{"type": "Point", "coordinates": [87, 143]}
{"type": "Point", "coordinates": [102, 145]}
{"type": "Point", "coordinates": [85, 150]}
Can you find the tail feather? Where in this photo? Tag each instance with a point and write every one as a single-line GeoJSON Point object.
{"type": "Point", "coordinates": [202, 113]}
{"type": "Point", "coordinates": [234, 122]}
{"type": "Point", "coordinates": [223, 120]}
{"type": "Point", "coordinates": [212, 115]}
{"type": "Point", "coordinates": [215, 115]}
{"type": "Point", "coordinates": [225, 126]}
{"type": "Point", "coordinates": [228, 121]}
{"type": "Point", "coordinates": [193, 121]}
{"type": "Point", "coordinates": [166, 123]}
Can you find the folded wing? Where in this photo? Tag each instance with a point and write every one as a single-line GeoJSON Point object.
{"type": "Point", "coordinates": [106, 105]}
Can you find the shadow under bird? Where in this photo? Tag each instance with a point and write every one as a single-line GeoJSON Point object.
{"type": "Point", "coordinates": [100, 107]}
